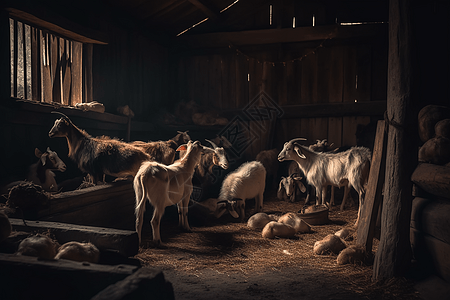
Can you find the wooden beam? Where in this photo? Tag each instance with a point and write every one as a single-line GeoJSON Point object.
{"type": "Point", "coordinates": [26, 277]}
{"type": "Point", "coordinates": [287, 35]}
{"type": "Point", "coordinates": [342, 109]}
{"type": "Point", "coordinates": [124, 241]}
{"type": "Point", "coordinates": [59, 25]}
{"type": "Point", "coordinates": [209, 11]}
{"type": "Point", "coordinates": [393, 257]}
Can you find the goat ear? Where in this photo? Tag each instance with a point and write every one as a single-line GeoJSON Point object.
{"type": "Point", "coordinates": [182, 147]}
{"type": "Point", "coordinates": [298, 150]}
{"type": "Point", "coordinates": [37, 152]}
{"type": "Point", "coordinates": [43, 159]}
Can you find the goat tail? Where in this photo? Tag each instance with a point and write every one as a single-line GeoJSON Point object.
{"type": "Point", "coordinates": [140, 192]}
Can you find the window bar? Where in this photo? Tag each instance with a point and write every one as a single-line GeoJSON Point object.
{"type": "Point", "coordinates": [13, 58]}
{"type": "Point", "coordinates": [27, 63]}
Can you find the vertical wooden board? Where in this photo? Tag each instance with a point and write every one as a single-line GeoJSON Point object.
{"type": "Point", "coordinates": [27, 52]}
{"type": "Point", "coordinates": [372, 200]}
{"type": "Point", "coordinates": [242, 98]}
{"type": "Point", "coordinates": [20, 63]}
{"type": "Point", "coordinates": [324, 76]}
{"type": "Point", "coordinates": [67, 75]}
{"type": "Point", "coordinates": [215, 82]}
{"type": "Point", "coordinates": [304, 130]}
{"type": "Point", "coordinates": [46, 83]}
{"type": "Point", "coordinates": [35, 64]}
{"type": "Point", "coordinates": [350, 72]}
{"type": "Point", "coordinates": [76, 72]}
{"type": "Point", "coordinates": [318, 128]}
{"type": "Point", "coordinates": [349, 125]}
{"type": "Point", "coordinates": [256, 78]}
{"type": "Point", "coordinates": [379, 71]}
{"type": "Point", "coordinates": [363, 72]}
{"type": "Point", "coordinates": [12, 58]}
{"type": "Point", "coordinates": [309, 77]}
{"type": "Point", "coordinates": [295, 96]}
{"type": "Point", "coordinates": [336, 74]}
{"type": "Point", "coordinates": [55, 68]}
{"type": "Point", "coordinates": [87, 70]}
{"type": "Point", "coordinates": [280, 82]}
{"type": "Point", "coordinates": [335, 131]}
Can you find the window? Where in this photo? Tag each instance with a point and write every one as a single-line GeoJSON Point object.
{"type": "Point", "coordinates": [46, 67]}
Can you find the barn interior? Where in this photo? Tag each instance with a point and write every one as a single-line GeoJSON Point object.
{"type": "Point", "coordinates": [258, 73]}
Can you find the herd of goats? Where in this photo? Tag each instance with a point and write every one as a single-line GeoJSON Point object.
{"type": "Point", "coordinates": [164, 181]}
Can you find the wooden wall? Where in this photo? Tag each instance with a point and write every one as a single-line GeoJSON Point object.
{"type": "Point", "coordinates": [312, 74]}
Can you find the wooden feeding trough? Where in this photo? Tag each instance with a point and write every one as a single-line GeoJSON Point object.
{"type": "Point", "coordinates": [110, 205]}
{"type": "Point", "coordinates": [315, 215]}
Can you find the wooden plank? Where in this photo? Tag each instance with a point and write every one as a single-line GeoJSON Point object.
{"type": "Point", "coordinates": [372, 200]}
{"type": "Point", "coordinates": [124, 241]}
{"type": "Point", "coordinates": [46, 83]}
{"type": "Point", "coordinates": [20, 62]}
{"type": "Point", "coordinates": [56, 279]}
{"type": "Point", "coordinates": [88, 94]}
{"type": "Point", "coordinates": [335, 131]}
{"type": "Point", "coordinates": [36, 64]}
{"type": "Point", "coordinates": [433, 179]}
{"type": "Point", "coordinates": [309, 79]}
{"type": "Point", "coordinates": [145, 283]}
{"type": "Point", "coordinates": [77, 75]}
{"type": "Point", "coordinates": [287, 35]}
{"type": "Point", "coordinates": [59, 25]}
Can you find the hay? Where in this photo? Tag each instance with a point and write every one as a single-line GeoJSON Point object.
{"type": "Point", "coordinates": [226, 246]}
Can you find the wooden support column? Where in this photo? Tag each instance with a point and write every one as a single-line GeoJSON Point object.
{"type": "Point", "coordinates": [394, 251]}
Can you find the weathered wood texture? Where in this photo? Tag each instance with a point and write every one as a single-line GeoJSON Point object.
{"type": "Point", "coordinates": [145, 283]}
{"type": "Point", "coordinates": [109, 205]}
{"type": "Point", "coordinates": [123, 241]}
{"type": "Point", "coordinates": [324, 89]}
{"type": "Point", "coordinates": [430, 234]}
{"type": "Point", "coordinates": [393, 256]}
{"type": "Point", "coordinates": [373, 197]}
{"type": "Point", "coordinates": [25, 277]}
{"type": "Point", "coordinates": [433, 179]}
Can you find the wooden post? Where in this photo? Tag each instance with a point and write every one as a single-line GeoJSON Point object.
{"type": "Point", "coordinates": [394, 251]}
{"type": "Point", "coordinates": [372, 200]}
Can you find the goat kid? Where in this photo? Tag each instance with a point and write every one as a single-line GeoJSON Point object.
{"type": "Point", "coordinates": [349, 168]}
{"type": "Point", "coordinates": [166, 185]}
{"type": "Point", "coordinates": [41, 172]}
{"type": "Point", "coordinates": [98, 156]}
{"type": "Point", "coordinates": [289, 186]}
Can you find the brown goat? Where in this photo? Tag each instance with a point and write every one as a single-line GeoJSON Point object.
{"type": "Point", "coordinates": [101, 155]}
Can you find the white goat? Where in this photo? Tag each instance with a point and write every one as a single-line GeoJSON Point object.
{"type": "Point", "coordinates": [246, 182]}
{"type": "Point", "coordinates": [166, 185]}
{"type": "Point", "coordinates": [350, 167]}
{"type": "Point", "coordinates": [41, 173]}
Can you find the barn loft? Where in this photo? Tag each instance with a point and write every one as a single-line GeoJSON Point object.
{"type": "Point", "coordinates": [259, 73]}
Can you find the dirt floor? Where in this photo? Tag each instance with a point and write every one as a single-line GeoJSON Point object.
{"type": "Point", "coordinates": [224, 259]}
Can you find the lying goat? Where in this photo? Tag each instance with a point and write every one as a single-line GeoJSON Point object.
{"type": "Point", "coordinates": [289, 186]}
{"type": "Point", "coordinates": [41, 172]}
{"type": "Point", "coordinates": [98, 156]}
{"type": "Point", "coordinates": [247, 182]}
{"type": "Point", "coordinates": [166, 185]}
{"type": "Point", "coordinates": [349, 168]}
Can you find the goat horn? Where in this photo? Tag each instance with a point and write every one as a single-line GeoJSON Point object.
{"type": "Point", "coordinates": [214, 145]}
{"type": "Point", "coordinates": [297, 139]}
{"type": "Point", "coordinates": [60, 113]}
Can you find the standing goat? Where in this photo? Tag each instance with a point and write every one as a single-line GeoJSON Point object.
{"type": "Point", "coordinates": [98, 156]}
{"type": "Point", "coordinates": [166, 185]}
{"type": "Point", "coordinates": [163, 151]}
{"type": "Point", "coordinates": [204, 169]}
{"type": "Point", "coordinates": [247, 182]}
{"type": "Point", "coordinates": [41, 172]}
{"type": "Point", "coordinates": [349, 168]}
